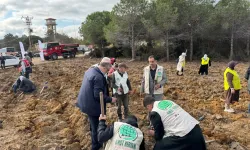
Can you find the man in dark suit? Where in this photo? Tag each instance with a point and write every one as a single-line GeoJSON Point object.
{"type": "Point", "coordinates": [94, 82]}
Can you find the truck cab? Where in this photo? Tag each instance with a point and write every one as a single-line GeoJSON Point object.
{"type": "Point", "coordinates": [52, 50]}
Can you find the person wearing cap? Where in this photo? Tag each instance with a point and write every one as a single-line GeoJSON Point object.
{"type": "Point", "coordinates": [232, 86]}
{"type": "Point", "coordinates": [121, 135]}
{"type": "Point", "coordinates": [121, 88]}
{"type": "Point", "coordinates": [24, 85]}
{"type": "Point", "coordinates": [181, 64]}
{"type": "Point", "coordinates": [104, 60]}
{"type": "Point", "coordinates": [154, 79]}
{"type": "Point", "coordinates": [173, 127]}
{"type": "Point", "coordinates": [107, 76]}
{"type": "Point", "coordinates": [94, 82]}
{"type": "Point", "coordinates": [205, 62]}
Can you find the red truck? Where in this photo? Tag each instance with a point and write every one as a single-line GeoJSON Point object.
{"type": "Point", "coordinates": [52, 50]}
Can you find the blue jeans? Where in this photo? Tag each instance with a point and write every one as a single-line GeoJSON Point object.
{"type": "Point", "coordinates": [94, 121]}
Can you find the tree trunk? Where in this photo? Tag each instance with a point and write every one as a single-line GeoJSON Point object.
{"type": "Point", "coordinates": [232, 45]}
{"type": "Point", "coordinates": [167, 46]}
{"type": "Point", "coordinates": [191, 44]}
{"type": "Point", "coordinates": [248, 52]}
{"type": "Point", "coordinates": [133, 42]}
{"type": "Point", "coordinates": [102, 50]}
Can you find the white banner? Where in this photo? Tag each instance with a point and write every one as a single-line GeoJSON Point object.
{"type": "Point", "coordinates": [22, 49]}
{"type": "Point", "coordinates": [41, 50]}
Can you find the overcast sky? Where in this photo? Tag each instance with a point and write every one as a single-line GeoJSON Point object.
{"type": "Point", "coordinates": [69, 14]}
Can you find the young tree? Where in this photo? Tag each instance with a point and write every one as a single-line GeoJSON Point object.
{"type": "Point", "coordinates": [166, 16]}
{"type": "Point", "coordinates": [192, 15]}
{"type": "Point", "coordinates": [126, 21]}
{"type": "Point", "coordinates": [160, 20]}
{"type": "Point", "coordinates": [232, 15]}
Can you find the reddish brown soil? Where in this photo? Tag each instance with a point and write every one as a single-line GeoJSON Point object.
{"type": "Point", "coordinates": [51, 121]}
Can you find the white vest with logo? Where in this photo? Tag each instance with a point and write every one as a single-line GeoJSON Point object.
{"type": "Point", "coordinates": [125, 137]}
{"type": "Point", "coordinates": [121, 80]}
{"type": "Point", "coordinates": [176, 121]}
{"type": "Point", "coordinates": [157, 79]}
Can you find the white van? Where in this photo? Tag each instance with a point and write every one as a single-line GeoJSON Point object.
{"type": "Point", "coordinates": [11, 61]}
{"type": "Point", "coordinates": [8, 51]}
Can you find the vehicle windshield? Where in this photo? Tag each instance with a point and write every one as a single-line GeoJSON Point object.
{"type": "Point", "coordinates": [49, 45]}
{"type": "Point", "coordinates": [10, 49]}
{"type": "Point", "coordinates": [44, 45]}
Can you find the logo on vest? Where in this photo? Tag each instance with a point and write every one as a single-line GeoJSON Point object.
{"type": "Point", "coordinates": [159, 74]}
{"type": "Point", "coordinates": [128, 133]}
{"type": "Point", "coordinates": [167, 105]}
{"type": "Point", "coordinates": [163, 105]}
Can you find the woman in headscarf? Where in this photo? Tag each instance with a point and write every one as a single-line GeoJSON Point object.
{"type": "Point", "coordinates": [181, 64]}
{"type": "Point", "coordinates": [205, 62]}
{"type": "Point", "coordinates": [232, 86]}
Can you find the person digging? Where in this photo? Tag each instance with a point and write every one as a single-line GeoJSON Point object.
{"type": "Point", "coordinates": [173, 127]}
{"type": "Point", "coordinates": [121, 135]}
{"type": "Point", "coordinates": [121, 88]}
{"type": "Point", "coordinates": [24, 85]}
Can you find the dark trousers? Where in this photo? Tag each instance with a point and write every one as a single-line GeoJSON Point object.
{"type": "Point", "coordinates": [3, 65]}
{"type": "Point", "coordinates": [27, 75]}
{"type": "Point", "coordinates": [122, 99]}
{"type": "Point", "coordinates": [231, 98]}
{"type": "Point", "coordinates": [203, 70]}
{"type": "Point", "coordinates": [194, 140]}
{"type": "Point", "coordinates": [94, 121]}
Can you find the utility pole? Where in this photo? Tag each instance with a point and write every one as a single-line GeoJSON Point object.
{"type": "Point", "coordinates": [27, 21]}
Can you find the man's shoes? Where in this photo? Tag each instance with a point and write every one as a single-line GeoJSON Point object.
{"type": "Point", "coordinates": [230, 110]}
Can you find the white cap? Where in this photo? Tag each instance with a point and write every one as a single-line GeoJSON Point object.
{"type": "Point", "coordinates": [106, 59]}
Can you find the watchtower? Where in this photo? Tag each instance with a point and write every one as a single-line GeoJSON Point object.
{"type": "Point", "coordinates": [51, 27]}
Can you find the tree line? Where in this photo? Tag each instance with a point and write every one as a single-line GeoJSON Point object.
{"type": "Point", "coordinates": [11, 40]}
{"type": "Point", "coordinates": [167, 28]}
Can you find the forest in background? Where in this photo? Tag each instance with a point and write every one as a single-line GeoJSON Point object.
{"type": "Point", "coordinates": [166, 28]}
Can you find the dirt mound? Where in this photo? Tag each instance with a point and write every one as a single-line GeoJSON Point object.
{"type": "Point", "coordinates": [50, 120]}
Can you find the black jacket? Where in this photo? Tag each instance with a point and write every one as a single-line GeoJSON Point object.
{"type": "Point", "coordinates": [2, 59]}
{"type": "Point", "coordinates": [27, 86]}
{"type": "Point", "coordinates": [158, 125]}
{"type": "Point", "coordinates": [106, 133]}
